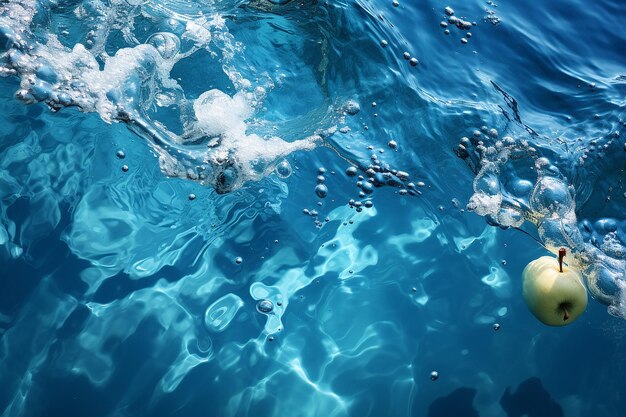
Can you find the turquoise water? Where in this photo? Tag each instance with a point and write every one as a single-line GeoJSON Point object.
{"type": "Point", "coordinates": [259, 208]}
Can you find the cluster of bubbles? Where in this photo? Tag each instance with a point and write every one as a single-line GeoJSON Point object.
{"type": "Point", "coordinates": [491, 16]}
{"type": "Point", "coordinates": [380, 173]}
{"type": "Point", "coordinates": [412, 60]}
{"type": "Point", "coordinates": [460, 23]}
{"type": "Point", "coordinates": [375, 175]}
{"type": "Point", "coordinates": [516, 183]}
{"type": "Point", "coordinates": [321, 191]}
{"type": "Point", "coordinates": [406, 55]}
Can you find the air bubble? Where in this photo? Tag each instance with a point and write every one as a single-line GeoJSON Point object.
{"type": "Point", "coordinates": [265, 306]}
{"type": "Point", "coordinates": [283, 169]}
{"type": "Point", "coordinates": [551, 198]}
{"type": "Point", "coordinates": [351, 107]}
{"type": "Point", "coordinates": [167, 44]}
{"type": "Point", "coordinates": [522, 188]}
{"type": "Point", "coordinates": [487, 182]}
{"type": "Point", "coordinates": [321, 191]}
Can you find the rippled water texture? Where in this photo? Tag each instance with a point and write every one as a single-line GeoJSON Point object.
{"type": "Point", "coordinates": [303, 208]}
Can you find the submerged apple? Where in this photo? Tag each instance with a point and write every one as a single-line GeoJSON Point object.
{"type": "Point", "coordinates": [554, 293]}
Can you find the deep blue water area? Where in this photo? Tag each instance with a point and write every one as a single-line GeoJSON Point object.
{"type": "Point", "coordinates": [309, 208]}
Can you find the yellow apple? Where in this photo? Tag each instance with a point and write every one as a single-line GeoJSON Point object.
{"type": "Point", "coordinates": [554, 292]}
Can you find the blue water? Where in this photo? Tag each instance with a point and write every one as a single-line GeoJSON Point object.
{"type": "Point", "coordinates": [180, 234]}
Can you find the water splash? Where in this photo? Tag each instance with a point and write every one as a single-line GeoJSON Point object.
{"type": "Point", "coordinates": [133, 84]}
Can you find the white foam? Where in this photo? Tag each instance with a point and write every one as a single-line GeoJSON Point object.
{"type": "Point", "coordinates": [220, 114]}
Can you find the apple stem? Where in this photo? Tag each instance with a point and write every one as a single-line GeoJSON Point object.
{"type": "Point", "coordinates": [565, 314]}
{"type": "Point", "coordinates": [562, 253]}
